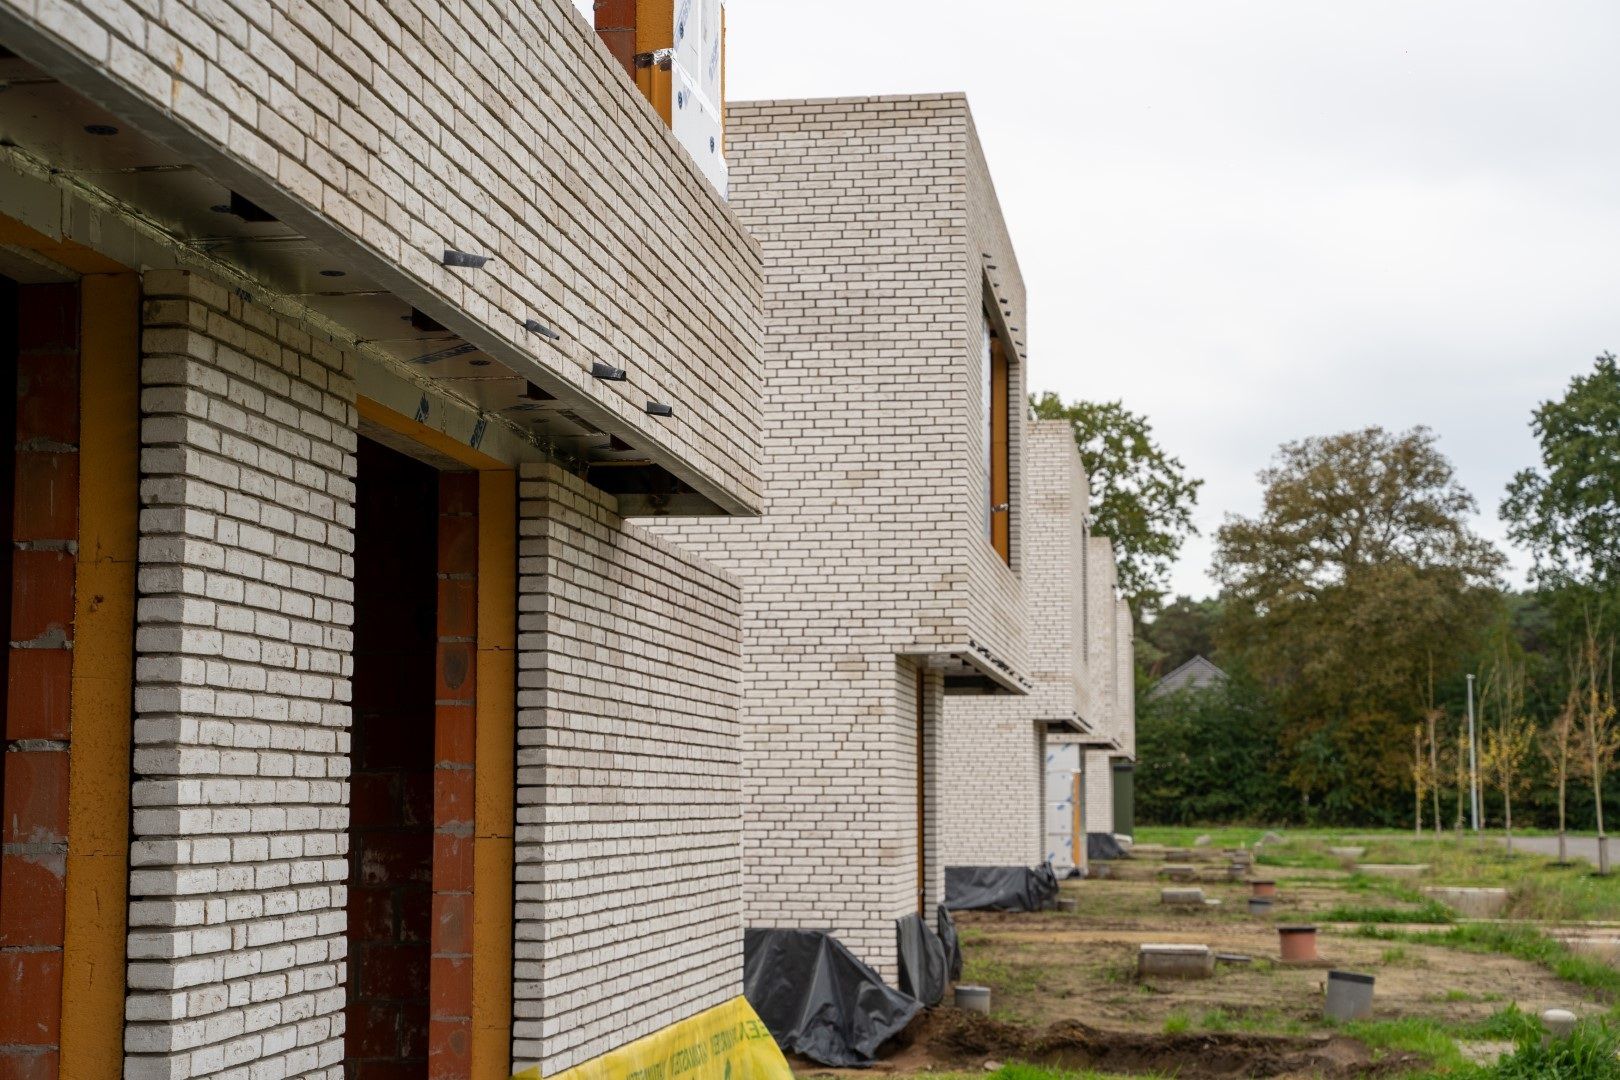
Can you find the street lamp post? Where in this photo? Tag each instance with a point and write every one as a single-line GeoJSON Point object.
{"type": "Point", "coordinates": [1473, 759]}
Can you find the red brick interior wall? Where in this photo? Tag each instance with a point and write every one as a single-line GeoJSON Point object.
{"type": "Point", "coordinates": [41, 347]}
{"type": "Point", "coordinates": [391, 838]}
{"type": "Point", "coordinates": [450, 1034]}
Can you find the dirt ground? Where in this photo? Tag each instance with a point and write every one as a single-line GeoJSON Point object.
{"type": "Point", "coordinates": [1065, 990]}
{"type": "Point", "coordinates": [949, 1040]}
{"type": "Point", "coordinates": [1016, 954]}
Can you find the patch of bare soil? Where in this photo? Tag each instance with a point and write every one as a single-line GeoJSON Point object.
{"type": "Point", "coordinates": [1046, 968]}
{"type": "Point", "coordinates": [954, 1040]}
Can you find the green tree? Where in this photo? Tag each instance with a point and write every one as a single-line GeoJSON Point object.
{"type": "Point", "coordinates": [1208, 757]}
{"type": "Point", "coordinates": [1359, 582]}
{"type": "Point", "coordinates": [1141, 497]}
{"type": "Point", "coordinates": [1177, 632]}
{"type": "Point", "coordinates": [1567, 511]}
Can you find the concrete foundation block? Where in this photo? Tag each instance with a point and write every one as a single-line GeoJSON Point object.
{"type": "Point", "coordinates": [1178, 872]}
{"type": "Point", "coordinates": [1471, 903]}
{"type": "Point", "coordinates": [1558, 1023]}
{"type": "Point", "coordinates": [1182, 897]}
{"type": "Point", "coordinates": [1395, 870]}
{"type": "Point", "coordinates": [1175, 962]}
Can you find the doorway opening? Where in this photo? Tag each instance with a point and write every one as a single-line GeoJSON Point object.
{"type": "Point", "coordinates": [392, 754]}
{"type": "Point", "coordinates": [413, 752]}
{"type": "Point", "coordinates": [922, 792]}
{"type": "Point", "coordinates": [39, 343]}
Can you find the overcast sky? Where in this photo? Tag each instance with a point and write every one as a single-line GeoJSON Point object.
{"type": "Point", "coordinates": [1258, 220]}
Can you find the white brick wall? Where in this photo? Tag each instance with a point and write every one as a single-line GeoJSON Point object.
{"type": "Point", "coordinates": [1102, 626]}
{"type": "Point", "coordinates": [1125, 679]}
{"type": "Point", "coordinates": [875, 217]}
{"type": "Point", "coordinates": [629, 910]}
{"type": "Point", "coordinates": [238, 861]}
{"type": "Point", "coordinates": [628, 852]}
{"type": "Point", "coordinates": [995, 763]}
{"type": "Point", "coordinates": [387, 132]}
{"type": "Point", "coordinates": [1099, 784]}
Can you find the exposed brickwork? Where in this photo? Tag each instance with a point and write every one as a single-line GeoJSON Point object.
{"type": "Point", "coordinates": [1125, 679]}
{"type": "Point", "coordinates": [389, 132]}
{"type": "Point", "coordinates": [1099, 791]}
{"type": "Point", "coordinates": [244, 644]}
{"type": "Point", "coordinates": [629, 817]}
{"type": "Point", "coordinates": [391, 825]}
{"type": "Point", "coordinates": [875, 217]}
{"type": "Point", "coordinates": [454, 779]}
{"type": "Point", "coordinates": [995, 757]}
{"type": "Point", "coordinates": [34, 794]}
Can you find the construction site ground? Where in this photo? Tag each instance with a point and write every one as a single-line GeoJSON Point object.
{"type": "Point", "coordinates": [1452, 995]}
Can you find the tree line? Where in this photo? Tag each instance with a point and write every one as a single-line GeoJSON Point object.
{"type": "Point", "coordinates": [1351, 610]}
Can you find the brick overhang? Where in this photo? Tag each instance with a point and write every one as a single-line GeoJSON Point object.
{"type": "Point", "coordinates": [973, 669]}
{"type": "Point", "coordinates": [92, 153]}
{"type": "Point", "coordinates": [1070, 725]}
{"type": "Point", "coordinates": [1089, 741]}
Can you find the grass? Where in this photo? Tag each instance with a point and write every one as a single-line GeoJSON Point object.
{"type": "Point", "coordinates": [1524, 942]}
{"type": "Point", "coordinates": [1538, 887]}
{"type": "Point", "coordinates": [1589, 1054]}
{"type": "Point", "coordinates": [1432, 1039]}
{"type": "Point", "coordinates": [1005, 979]}
{"type": "Point", "coordinates": [1427, 911]}
{"type": "Point", "coordinates": [1263, 1021]}
{"type": "Point", "coordinates": [1397, 912]}
{"type": "Point", "coordinates": [1435, 1040]}
{"type": "Point", "coordinates": [1019, 1071]}
{"type": "Point", "coordinates": [1297, 856]}
{"type": "Point", "coordinates": [1507, 1025]}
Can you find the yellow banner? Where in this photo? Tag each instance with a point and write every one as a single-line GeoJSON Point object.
{"type": "Point", "coordinates": [728, 1042]}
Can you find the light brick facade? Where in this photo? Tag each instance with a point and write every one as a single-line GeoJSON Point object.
{"type": "Point", "coordinates": [387, 133]}
{"type": "Point", "coordinates": [238, 862]}
{"type": "Point", "coordinates": [1113, 662]}
{"type": "Point", "coordinates": [994, 771]}
{"type": "Point", "coordinates": [629, 896]}
{"type": "Point", "coordinates": [628, 910]}
{"type": "Point", "coordinates": [1125, 679]}
{"type": "Point", "coordinates": [287, 179]}
{"type": "Point", "coordinates": [882, 243]}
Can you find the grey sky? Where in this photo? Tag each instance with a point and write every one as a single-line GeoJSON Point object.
{"type": "Point", "coordinates": [1257, 220]}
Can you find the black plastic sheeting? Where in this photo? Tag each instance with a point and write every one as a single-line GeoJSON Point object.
{"type": "Point", "coordinates": [1101, 845]}
{"type": "Point", "coordinates": [818, 1000]}
{"type": "Point", "coordinates": [924, 966]}
{"type": "Point", "coordinates": [952, 943]}
{"type": "Point", "coordinates": [999, 888]}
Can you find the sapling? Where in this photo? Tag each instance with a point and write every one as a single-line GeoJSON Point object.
{"type": "Point", "coordinates": [1506, 746]}
{"type": "Point", "coordinates": [1596, 727]}
{"type": "Point", "coordinates": [1557, 745]}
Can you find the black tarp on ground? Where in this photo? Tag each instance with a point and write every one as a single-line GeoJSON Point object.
{"type": "Point", "coordinates": [924, 965]}
{"type": "Point", "coordinates": [1101, 845]}
{"type": "Point", "coordinates": [818, 1000]}
{"type": "Point", "coordinates": [952, 943]}
{"type": "Point", "coordinates": [999, 888]}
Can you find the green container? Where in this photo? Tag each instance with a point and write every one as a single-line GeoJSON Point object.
{"type": "Point", "coordinates": [1125, 798]}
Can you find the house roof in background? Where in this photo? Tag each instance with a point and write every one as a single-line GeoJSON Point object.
{"type": "Point", "coordinates": [1196, 674]}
